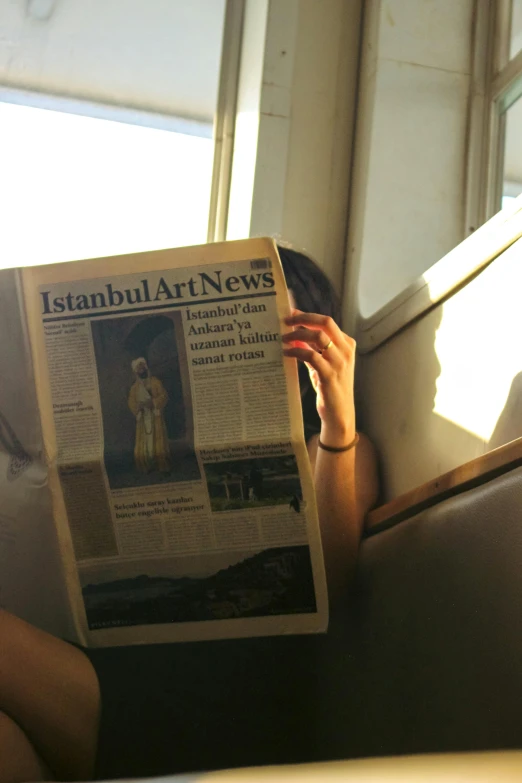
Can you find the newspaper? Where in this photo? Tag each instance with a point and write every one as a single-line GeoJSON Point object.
{"type": "Point", "coordinates": [171, 455]}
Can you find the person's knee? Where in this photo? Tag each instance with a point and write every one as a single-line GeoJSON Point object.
{"type": "Point", "coordinates": [50, 690]}
{"type": "Point", "coordinates": [19, 760]}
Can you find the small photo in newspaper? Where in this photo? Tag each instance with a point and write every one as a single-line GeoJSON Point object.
{"type": "Point", "coordinates": [146, 401]}
{"type": "Point", "coordinates": [254, 483]}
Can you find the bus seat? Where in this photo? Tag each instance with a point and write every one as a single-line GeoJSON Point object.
{"type": "Point", "coordinates": [427, 657]}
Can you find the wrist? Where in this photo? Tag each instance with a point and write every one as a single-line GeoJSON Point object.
{"type": "Point", "coordinates": [338, 435]}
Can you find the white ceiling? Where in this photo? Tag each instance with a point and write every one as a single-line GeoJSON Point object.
{"type": "Point", "coordinates": [156, 55]}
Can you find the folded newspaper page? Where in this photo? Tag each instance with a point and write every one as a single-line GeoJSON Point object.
{"type": "Point", "coordinates": [153, 456]}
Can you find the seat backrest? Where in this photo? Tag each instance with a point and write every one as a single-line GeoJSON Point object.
{"type": "Point", "coordinates": [429, 656]}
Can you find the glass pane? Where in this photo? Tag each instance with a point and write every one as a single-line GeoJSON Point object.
{"type": "Point", "coordinates": [124, 162]}
{"type": "Point", "coordinates": [512, 173]}
{"type": "Point", "coordinates": [77, 187]}
{"type": "Point", "coordinates": [516, 28]}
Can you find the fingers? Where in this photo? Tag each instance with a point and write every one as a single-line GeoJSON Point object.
{"type": "Point", "coordinates": [318, 330]}
{"type": "Point", "coordinates": [314, 359]}
{"type": "Point", "coordinates": [313, 337]}
{"type": "Point", "coordinates": [315, 321]}
{"type": "Point", "coordinates": [316, 339]}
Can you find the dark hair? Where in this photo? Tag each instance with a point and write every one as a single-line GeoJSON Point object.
{"type": "Point", "coordinates": [313, 293]}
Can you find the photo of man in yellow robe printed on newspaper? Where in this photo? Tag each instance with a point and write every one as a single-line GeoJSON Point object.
{"type": "Point", "coordinates": [147, 399]}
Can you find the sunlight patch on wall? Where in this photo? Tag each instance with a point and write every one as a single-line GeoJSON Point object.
{"type": "Point", "coordinates": [478, 346]}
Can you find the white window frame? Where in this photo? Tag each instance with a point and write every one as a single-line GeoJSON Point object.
{"type": "Point", "coordinates": [225, 119]}
{"type": "Point", "coordinates": [496, 83]}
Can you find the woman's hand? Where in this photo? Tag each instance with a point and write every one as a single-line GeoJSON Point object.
{"type": "Point", "coordinates": [329, 355]}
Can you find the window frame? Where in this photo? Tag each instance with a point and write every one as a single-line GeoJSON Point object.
{"type": "Point", "coordinates": [225, 120]}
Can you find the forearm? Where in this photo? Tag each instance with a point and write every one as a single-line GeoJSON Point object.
{"type": "Point", "coordinates": [339, 517]}
{"type": "Point", "coordinates": [344, 483]}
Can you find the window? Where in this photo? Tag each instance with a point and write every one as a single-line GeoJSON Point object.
{"type": "Point", "coordinates": [430, 117]}
{"type": "Point", "coordinates": [77, 186]}
{"type": "Point", "coordinates": [107, 117]}
{"type": "Point", "coordinates": [503, 182]}
{"type": "Point", "coordinates": [512, 158]}
{"type": "Point", "coordinates": [407, 199]}
{"type": "Point", "coordinates": [515, 38]}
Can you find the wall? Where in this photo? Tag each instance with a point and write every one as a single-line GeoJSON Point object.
{"type": "Point", "coordinates": [410, 154]}
{"type": "Point", "coordinates": [294, 129]}
{"type": "Point", "coordinates": [322, 130]}
{"type": "Point", "coordinates": [452, 380]}
{"type": "Point", "coordinates": [445, 388]}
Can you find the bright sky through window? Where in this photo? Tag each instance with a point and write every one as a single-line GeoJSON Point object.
{"type": "Point", "coordinates": [76, 187]}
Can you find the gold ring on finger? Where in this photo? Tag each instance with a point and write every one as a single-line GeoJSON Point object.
{"type": "Point", "coordinates": [328, 344]}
